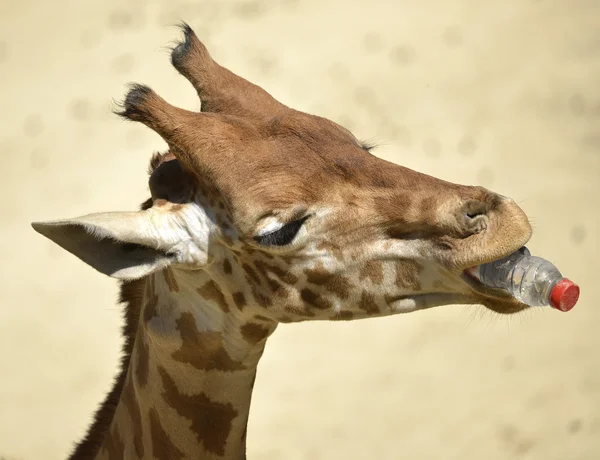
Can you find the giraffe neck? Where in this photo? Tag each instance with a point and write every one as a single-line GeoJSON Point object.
{"type": "Point", "coordinates": [188, 386]}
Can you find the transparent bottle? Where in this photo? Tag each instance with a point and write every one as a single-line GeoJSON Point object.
{"type": "Point", "coordinates": [531, 280]}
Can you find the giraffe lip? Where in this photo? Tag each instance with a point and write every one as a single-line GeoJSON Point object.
{"type": "Point", "coordinates": [473, 282]}
{"type": "Point", "coordinates": [470, 273]}
{"type": "Point", "coordinates": [470, 276]}
{"type": "Point", "coordinates": [488, 294]}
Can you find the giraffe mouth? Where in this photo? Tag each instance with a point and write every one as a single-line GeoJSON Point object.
{"type": "Point", "coordinates": [477, 286]}
{"type": "Point", "coordinates": [473, 292]}
{"type": "Point", "coordinates": [469, 275]}
{"type": "Point", "coordinates": [495, 299]}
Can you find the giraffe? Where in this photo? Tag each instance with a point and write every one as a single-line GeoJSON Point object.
{"type": "Point", "coordinates": [259, 215]}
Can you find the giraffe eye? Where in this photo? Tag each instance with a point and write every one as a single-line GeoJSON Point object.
{"type": "Point", "coordinates": [282, 237]}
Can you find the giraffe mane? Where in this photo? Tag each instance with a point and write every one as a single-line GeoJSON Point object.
{"type": "Point", "coordinates": [131, 296]}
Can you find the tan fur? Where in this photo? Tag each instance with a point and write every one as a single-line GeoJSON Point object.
{"type": "Point", "coordinates": [162, 446]}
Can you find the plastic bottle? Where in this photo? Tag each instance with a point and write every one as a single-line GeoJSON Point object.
{"type": "Point", "coordinates": [531, 280]}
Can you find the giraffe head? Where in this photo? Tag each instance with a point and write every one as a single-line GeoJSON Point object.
{"type": "Point", "coordinates": [289, 213]}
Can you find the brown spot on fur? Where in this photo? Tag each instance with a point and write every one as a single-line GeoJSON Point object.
{"type": "Point", "coordinates": [211, 420]}
{"type": "Point", "coordinates": [336, 284]}
{"type": "Point", "coordinates": [239, 300]}
{"type": "Point", "coordinates": [282, 293]}
{"type": "Point", "coordinates": [277, 289]}
{"type": "Point", "coordinates": [286, 319]}
{"type": "Point", "coordinates": [254, 333]}
{"type": "Point", "coordinates": [299, 311]}
{"type": "Point", "coordinates": [227, 267]}
{"type": "Point", "coordinates": [407, 274]}
{"type": "Point", "coordinates": [251, 273]}
{"type": "Point", "coordinates": [372, 270]}
{"type": "Point", "coordinates": [368, 304]}
{"type": "Point", "coordinates": [143, 358]}
{"type": "Point", "coordinates": [143, 361]}
{"type": "Point", "coordinates": [170, 279]}
{"type": "Point", "coordinates": [150, 286]}
{"type": "Point", "coordinates": [150, 308]}
{"type": "Point", "coordinates": [315, 300]}
{"type": "Point", "coordinates": [317, 275]}
{"type": "Point", "coordinates": [162, 446]}
{"type": "Point", "coordinates": [260, 298]}
{"type": "Point", "coordinates": [343, 315]}
{"type": "Point", "coordinates": [133, 407]}
{"type": "Point", "coordinates": [114, 446]}
{"type": "Point", "coordinates": [339, 285]}
{"type": "Point", "coordinates": [286, 277]}
{"type": "Point", "coordinates": [203, 350]}
{"type": "Point", "coordinates": [211, 291]}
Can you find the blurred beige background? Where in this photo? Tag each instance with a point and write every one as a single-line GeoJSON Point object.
{"type": "Point", "coordinates": [502, 93]}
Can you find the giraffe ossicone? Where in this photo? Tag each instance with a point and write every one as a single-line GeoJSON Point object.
{"type": "Point", "coordinates": [260, 215]}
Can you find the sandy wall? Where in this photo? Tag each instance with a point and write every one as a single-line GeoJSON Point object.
{"type": "Point", "coordinates": [503, 94]}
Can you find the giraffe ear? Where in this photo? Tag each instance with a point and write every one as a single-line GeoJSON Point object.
{"type": "Point", "coordinates": [124, 245]}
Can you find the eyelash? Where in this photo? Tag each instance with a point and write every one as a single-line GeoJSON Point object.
{"type": "Point", "coordinates": [282, 237]}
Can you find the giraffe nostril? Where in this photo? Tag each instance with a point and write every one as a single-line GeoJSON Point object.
{"type": "Point", "coordinates": [474, 208]}
{"type": "Point", "coordinates": [474, 216]}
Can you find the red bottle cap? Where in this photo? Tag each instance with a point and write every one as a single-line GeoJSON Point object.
{"type": "Point", "coordinates": [564, 295]}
